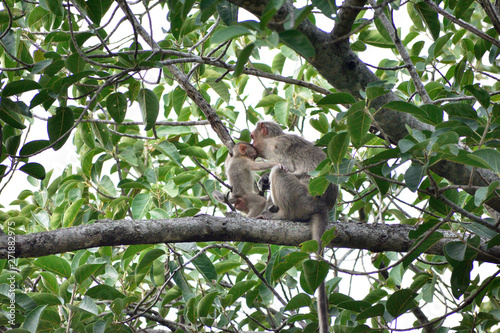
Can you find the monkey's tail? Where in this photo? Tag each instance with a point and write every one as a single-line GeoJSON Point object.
{"type": "Point", "coordinates": [319, 222]}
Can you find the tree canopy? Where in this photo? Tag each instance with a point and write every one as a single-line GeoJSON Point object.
{"type": "Point", "coordinates": [153, 94]}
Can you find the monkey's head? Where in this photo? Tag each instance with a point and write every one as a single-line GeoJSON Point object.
{"type": "Point", "coordinates": [244, 149]}
{"type": "Point", "coordinates": [266, 129]}
{"type": "Point", "coordinates": [241, 204]}
{"type": "Point", "coordinates": [263, 131]}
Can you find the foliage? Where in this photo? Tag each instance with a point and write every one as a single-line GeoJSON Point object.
{"type": "Point", "coordinates": [144, 149]}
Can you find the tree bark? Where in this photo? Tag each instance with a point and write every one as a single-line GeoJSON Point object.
{"type": "Point", "coordinates": [205, 228]}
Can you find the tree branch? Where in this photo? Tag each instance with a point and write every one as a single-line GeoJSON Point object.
{"type": "Point", "coordinates": [183, 81]}
{"type": "Point", "coordinates": [205, 228]}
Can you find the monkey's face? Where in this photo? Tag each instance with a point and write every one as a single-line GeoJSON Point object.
{"type": "Point", "coordinates": [251, 152]}
{"type": "Point", "coordinates": [258, 137]}
{"type": "Point", "coordinates": [241, 205]}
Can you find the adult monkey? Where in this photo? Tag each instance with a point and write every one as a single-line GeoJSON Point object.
{"type": "Point", "coordinates": [289, 190]}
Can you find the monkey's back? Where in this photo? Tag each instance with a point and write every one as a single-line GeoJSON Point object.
{"type": "Point", "coordinates": [298, 154]}
{"type": "Point", "coordinates": [240, 176]}
{"type": "Point", "coordinates": [291, 195]}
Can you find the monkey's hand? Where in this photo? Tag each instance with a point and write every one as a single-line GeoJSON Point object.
{"type": "Point", "coordinates": [283, 167]}
{"type": "Point", "coordinates": [264, 184]}
{"type": "Point", "coordinates": [270, 214]}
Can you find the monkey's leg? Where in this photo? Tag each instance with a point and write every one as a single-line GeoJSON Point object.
{"type": "Point", "coordinates": [255, 204]}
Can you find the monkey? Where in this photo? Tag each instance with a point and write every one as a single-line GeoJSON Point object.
{"type": "Point", "coordinates": [289, 188]}
{"type": "Point", "coordinates": [293, 151]}
{"type": "Point", "coordinates": [240, 174]}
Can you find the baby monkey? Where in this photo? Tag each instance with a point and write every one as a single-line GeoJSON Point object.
{"type": "Point", "coordinates": [240, 174]}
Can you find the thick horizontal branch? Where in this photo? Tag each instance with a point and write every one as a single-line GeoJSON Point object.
{"type": "Point", "coordinates": [205, 228]}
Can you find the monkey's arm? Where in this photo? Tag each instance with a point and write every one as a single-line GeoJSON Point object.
{"type": "Point", "coordinates": [259, 166]}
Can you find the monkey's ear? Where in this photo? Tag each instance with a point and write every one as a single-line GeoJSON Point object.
{"type": "Point", "coordinates": [243, 149]}
{"type": "Point", "coordinates": [264, 128]}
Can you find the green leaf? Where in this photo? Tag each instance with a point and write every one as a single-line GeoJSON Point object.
{"type": "Point", "coordinates": [460, 278]}
{"type": "Point", "coordinates": [5, 15]}
{"type": "Point", "coordinates": [289, 261]}
{"type": "Point", "coordinates": [358, 124]}
{"type": "Point", "coordinates": [461, 7]}
{"type": "Point", "coordinates": [278, 63]}
{"type": "Point", "coordinates": [455, 250]}
{"type": "Point", "coordinates": [19, 87]}
{"type": "Point", "coordinates": [141, 205]}
{"type": "Point", "coordinates": [116, 104]}
{"type": "Point", "coordinates": [96, 9]}
{"type": "Point", "coordinates": [491, 157]}
{"type": "Point", "coordinates": [298, 301]}
{"type": "Point", "coordinates": [32, 319]}
{"type": "Point", "coordinates": [34, 147]}
{"type": "Point", "coordinates": [226, 266]}
{"type": "Point", "coordinates": [427, 244]}
{"type": "Point", "coordinates": [315, 272]}
{"type": "Point", "coordinates": [145, 264]}
{"type": "Point", "coordinates": [281, 112]}
{"type": "Point", "coordinates": [55, 6]}
{"type": "Point", "coordinates": [205, 304]}
{"type": "Point", "coordinates": [337, 147]}
{"type": "Point", "coordinates": [374, 38]}
{"type": "Point", "coordinates": [47, 299]}
{"type": "Point", "coordinates": [59, 126]}
{"type": "Point", "coordinates": [336, 98]}
{"type": "Point", "coordinates": [230, 32]}
{"type": "Point", "coordinates": [317, 186]}
{"type": "Point", "coordinates": [493, 242]}
{"type": "Point", "coordinates": [54, 264]}
{"type": "Point", "coordinates": [400, 302]}
{"type": "Point", "coordinates": [9, 113]}
{"type": "Point", "coordinates": [481, 94]}
{"type": "Point", "coordinates": [71, 213]}
{"type": "Point", "coordinates": [169, 149]}
{"type": "Point", "coordinates": [220, 88]}
{"type": "Point", "coordinates": [190, 310]}
{"type": "Point", "coordinates": [88, 305]}
{"type": "Point", "coordinates": [239, 289]}
{"type": "Point", "coordinates": [375, 311]}
{"type": "Point", "coordinates": [320, 124]}
{"type": "Point", "coordinates": [327, 7]}
{"type": "Point", "coordinates": [430, 17]}
{"type": "Point", "coordinates": [414, 176]}
{"type": "Point", "coordinates": [34, 169]}
{"type": "Point", "coordinates": [298, 42]}
{"type": "Point", "coordinates": [85, 271]}
{"type": "Point", "coordinates": [205, 267]}
{"type": "Point", "coordinates": [194, 151]}
{"type": "Point", "coordinates": [228, 13]}
{"type": "Point", "coordinates": [40, 66]}
{"type": "Point", "coordinates": [407, 108]}
{"type": "Point", "coordinates": [482, 193]}
{"type": "Point", "coordinates": [150, 107]}
{"type": "Point", "coordinates": [104, 292]}
{"type": "Point", "coordinates": [310, 246]}
{"type": "Point", "coordinates": [243, 59]}
{"type": "Point", "coordinates": [328, 236]}
{"type": "Point", "coordinates": [269, 101]}
{"type": "Point", "coordinates": [75, 64]}
{"type": "Point", "coordinates": [375, 296]}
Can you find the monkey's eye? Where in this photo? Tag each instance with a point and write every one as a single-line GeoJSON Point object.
{"type": "Point", "coordinates": [251, 135]}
